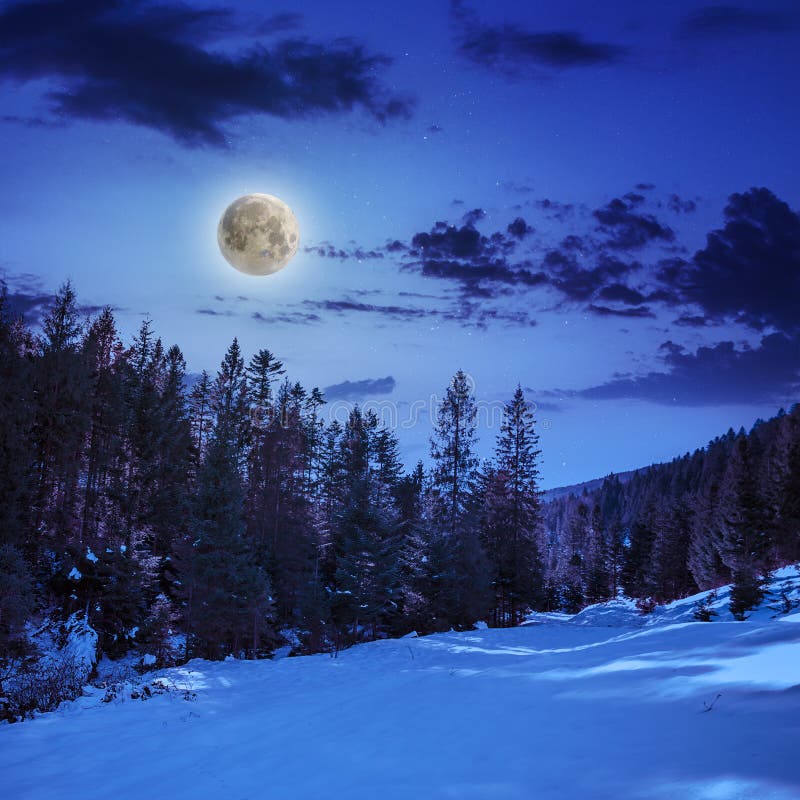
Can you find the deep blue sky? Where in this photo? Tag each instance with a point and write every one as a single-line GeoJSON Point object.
{"type": "Point", "coordinates": [646, 297]}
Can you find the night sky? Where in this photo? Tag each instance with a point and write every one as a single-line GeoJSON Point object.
{"type": "Point", "coordinates": [596, 201]}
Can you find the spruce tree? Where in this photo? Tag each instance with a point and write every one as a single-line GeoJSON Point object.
{"type": "Point", "coordinates": [744, 533]}
{"type": "Point", "coordinates": [453, 453]}
{"type": "Point", "coordinates": [512, 514]}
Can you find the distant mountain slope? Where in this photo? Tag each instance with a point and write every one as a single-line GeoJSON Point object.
{"type": "Point", "coordinates": [577, 489]}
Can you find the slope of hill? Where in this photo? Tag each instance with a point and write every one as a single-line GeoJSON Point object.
{"type": "Point", "coordinates": [606, 704]}
{"type": "Point", "coordinates": [577, 489]}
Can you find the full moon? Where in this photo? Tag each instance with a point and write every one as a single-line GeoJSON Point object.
{"type": "Point", "coordinates": [258, 234]}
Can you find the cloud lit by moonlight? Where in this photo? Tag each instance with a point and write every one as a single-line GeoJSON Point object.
{"type": "Point", "coordinates": [258, 234]}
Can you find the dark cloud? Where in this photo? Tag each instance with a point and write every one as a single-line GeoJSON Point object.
{"type": "Point", "coordinates": [635, 312]}
{"type": "Point", "coordinates": [346, 306]}
{"type": "Point", "coordinates": [749, 270]}
{"type": "Point", "coordinates": [627, 229]}
{"type": "Point", "coordinates": [327, 250]}
{"type": "Point", "coordinates": [24, 297]}
{"type": "Point", "coordinates": [691, 321]}
{"type": "Point", "coordinates": [212, 312]}
{"type": "Point", "coordinates": [725, 21]}
{"type": "Point", "coordinates": [618, 292]}
{"type": "Point", "coordinates": [717, 375]}
{"type": "Point", "coordinates": [450, 241]}
{"type": "Point", "coordinates": [288, 317]}
{"type": "Point", "coordinates": [645, 187]}
{"type": "Point", "coordinates": [356, 390]}
{"type": "Point", "coordinates": [679, 205]}
{"type": "Point", "coordinates": [152, 66]}
{"type": "Point", "coordinates": [471, 217]}
{"type": "Point", "coordinates": [515, 50]}
{"type": "Point", "coordinates": [474, 276]}
{"type": "Point", "coordinates": [477, 314]}
{"type": "Point", "coordinates": [580, 283]}
{"type": "Point", "coordinates": [519, 229]}
{"type": "Point", "coordinates": [554, 209]}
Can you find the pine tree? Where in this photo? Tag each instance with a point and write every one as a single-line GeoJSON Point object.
{"type": "Point", "coordinates": [227, 595]}
{"type": "Point", "coordinates": [704, 559]}
{"type": "Point", "coordinates": [458, 573]}
{"type": "Point", "coordinates": [201, 415]}
{"type": "Point", "coordinates": [744, 534]}
{"type": "Point", "coordinates": [512, 514]}
{"type": "Point", "coordinates": [453, 454]}
{"type": "Point", "coordinates": [597, 571]}
{"type": "Point", "coordinates": [61, 387]}
{"type": "Point", "coordinates": [16, 432]}
{"type": "Point", "coordinates": [105, 451]}
{"type": "Point", "coordinates": [230, 403]}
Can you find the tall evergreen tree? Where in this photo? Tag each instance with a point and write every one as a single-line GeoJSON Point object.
{"type": "Point", "coordinates": [453, 453]}
{"type": "Point", "coordinates": [744, 533]}
{"type": "Point", "coordinates": [512, 516]}
{"type": "Point", "coordinates": [61, 388]}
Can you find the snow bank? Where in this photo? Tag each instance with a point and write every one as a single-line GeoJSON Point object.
{"type": "Point", "coordinates": [558, 709]}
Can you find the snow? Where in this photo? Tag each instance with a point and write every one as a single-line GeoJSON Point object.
{"type": "Point", "coordinates": [604, 705]}
{"type": "Point", "coordinates": [81, 645]}
{"type": "Point", "coordinates": [74, 574]}
{"type": "Point", "coordinates": [90, 556]}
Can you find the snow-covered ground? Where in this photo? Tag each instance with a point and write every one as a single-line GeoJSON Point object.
{"type": "Point", "coordinates": [603, 705]}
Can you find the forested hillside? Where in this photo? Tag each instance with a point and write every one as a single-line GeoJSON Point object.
{"type": "Point", "coordinates": [726, 513]}
{"type": "Point", "coordinates": [205, 522]}
{"type": "Point", "coordinates": [216, 520]}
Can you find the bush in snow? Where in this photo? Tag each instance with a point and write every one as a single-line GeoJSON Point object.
{"type": "Point", "coordinates": [42, 684]}
{"type": "Point", "coordinates": [703, 610]}
{"type": "Point", "coordinates": [158, 637]}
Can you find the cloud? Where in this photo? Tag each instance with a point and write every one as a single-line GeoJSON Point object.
{"type": "Point", "coordinates": [620, 293]}
{"type": "Point", "coordinates": [356, 390]}
{"type": "Point", "coordinates": [727, 21]}
{"type": "Point", "coordinates": [25, 298]}
{"type": "Point", "coordinates": [471, 217]}
{"type": "Point", "coordinates": [692, 321]}
{"type": "Point", "coordinates": [580, 283]}
{"type": "Point", "coordinates": [749, 270]}
{"type": "Point", "coordinates": [679, 205]}
{"type": "Point", "coordinates": [627, 229]}
{"type": "Point", "coordinates": [515, 50]}
{"type": "Point", "coordinates": [212, 312]}
{"type": "Point", "coordinates": [555, 209]}
{"type": "Point", "coordinates": [716, 375]}
{"type": "Point", "coordinates": [519, 229]}
{"type": "Point", "coordinates": [346, 306]}
{"type": "Point", "coordinates": [327, 250]}
{"type": "Point", "coordinates": [289, 317]}
{"type": "Point", "coordinates": [153, 66]}
{"type": "Point", "coordinates": [634, 312]}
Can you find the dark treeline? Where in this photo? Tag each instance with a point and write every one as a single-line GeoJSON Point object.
{"type": "Point", "coordinates": [728, 513]}
{"type": "Point", "coordinates": [229, 514]}
{"type": "Point", "coordinates": [233, 511]}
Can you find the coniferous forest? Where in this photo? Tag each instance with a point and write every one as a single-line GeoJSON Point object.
{"type": "Point", "coordinates": [228, 517]}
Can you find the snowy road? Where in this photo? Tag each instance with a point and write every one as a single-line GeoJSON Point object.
{"type": "Point", "coordinates": [552, 710]}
